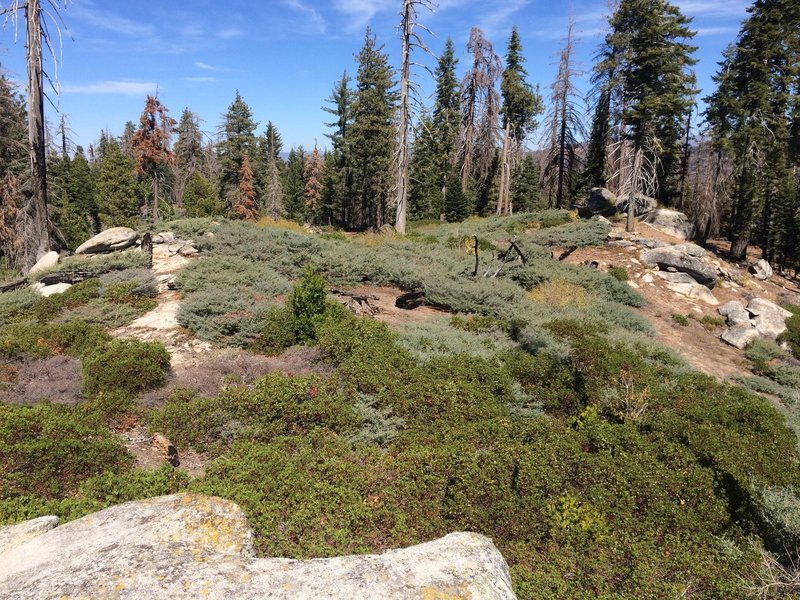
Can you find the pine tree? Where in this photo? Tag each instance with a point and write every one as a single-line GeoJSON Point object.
{"type": "Point", "coordinates": [151, 145]}
{"type": "Point", "coordinates": [595, 173]}
{"type": "Point", "coordinates": [118, 193]}
{"type": "Point", "coordinates": [201, 199]}
{"type": "Point", "coordinates": [339, 184]}
{"type": "Point", "coordinates": [190, 154]}
{"type": "Point", "coordinates": [294, 185]}
{"type": "Point", "coordinates": [237, 139]}
{"type": "Point", "coordinates": [752, 116]}
{"type": "Point", "coordinates": [245, 207]}
{"type": "Point", "coordinates": [313, 173]}
{"type": "Point", "coordinates": [270, 167]}
{"type": "Point", "coordinates": [526, 192]}
{"type": "Point", "coordinates": [426, 199]}
{"type": "Point", "coordinates": [645, 68]}
{"type": "Point", "coordinates": [372, 136]}
{"type": "Point", "coordinates": [456, 203]}
{"type": "Point", "coordinates": [13, 168]}
{"type": "Point", "coordinates": [521, 104]}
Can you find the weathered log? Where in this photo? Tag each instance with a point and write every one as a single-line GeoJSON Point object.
{"type": "Point", "coordinates": [475, 272]}
{"type": "Point", "coordinates": [410, 300]}
{"type": "Point", "coordinates": [14, 285]}
{"type": "Point", "coordinates": [67, 277]}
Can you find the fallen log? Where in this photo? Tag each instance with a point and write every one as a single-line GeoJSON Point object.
{"type": "Point", "coordinates": [67, 277]}
{"type": "Point", "coordinates": [14, 285]}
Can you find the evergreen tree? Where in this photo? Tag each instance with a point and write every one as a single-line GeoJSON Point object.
{"type": "Point", "coordinates": [456, 203]}
{"type": "Point", "coordinates": [645, 68]}
{"type": "Point", "coordinates": [201, 199]}
{"type": "Point", "coordinates": [521, 104]}
{"type": "Point", "coordinates": [118, 193]}
{"type": "Point", "coordinates": [238, 138]}
{"type": "Point", "coordinates": [294, 186]}
{"type": "Point", "coordinates": [526, 193]}
{"type": "Point", "coordinates": [372, 136]}
{"type": "Point", "coordinates": [270, 167]}
{"type": "Point", "coordinates": [595, 173]}
{"type": "Point", "coordinates": [313, 173]}
{"type": "Point", "coordinates": [339, 195]}
{"type": "Point", "coordinates": [245, 206]}
{"type": "Point", "coordinates": [190, 154]}
{"type": "Point", "coordinates": [126, 140]}
{"type": "Point", "coordinates": [752, 116]}
{"type": "Point", "coordinates": [13, 169]}
{"type": "Point", "coordinates": [328, 211]}
{"type": "Point", "coordinates": [428, 172]}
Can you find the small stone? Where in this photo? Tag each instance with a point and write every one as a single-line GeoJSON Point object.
{"type": "Point", "coordinates": [56, 288]}
{"type": "Point", "coordinates": [694, 291]}
{"type": "Point", "coordinates": [761, 269]}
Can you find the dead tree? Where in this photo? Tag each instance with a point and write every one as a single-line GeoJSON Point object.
{"type": "Point", "coordinates": [640, 173]}
{"type": "Point", "coordinates": [410, 40]}
{"type": "Point", "coordinates": [37, 36]}
{"type": "Point", "coordinates": [565, 128]}
{"type": "Point", "coordinates": [480, 106]}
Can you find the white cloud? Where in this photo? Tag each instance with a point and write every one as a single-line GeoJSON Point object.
{"type": "Point", "coordinates": [87, 14]}
{"type": "Point", "coordinates": [497, 19]}
{"type": "Point", "coordinates": [128, 88]}
{"type": "Point", "coordinates": [229, 33]}
{"type": "Point", "coordinates": [314, 23]}
{"type": "Point", "coordinates": [361, 11]}
{"type": "Point", "coordinates": [200, 79]}
{"type": "Point", "coordinates": [712, 7]}
{"type": "Point", "coordinates": [716, 30]}
{"type": "Point", "coordinates": [205, 66]}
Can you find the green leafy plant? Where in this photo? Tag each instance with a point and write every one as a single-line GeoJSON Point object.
{"type": "Point", "coordinates": [128, 365]}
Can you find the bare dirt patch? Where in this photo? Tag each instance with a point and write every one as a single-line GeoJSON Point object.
{"type": "Point", "coordinates": [701, 348]}
{"type": "Point", "coordinates": [148, 453]}
{"type": "Point", "coordinates": [384, 297]}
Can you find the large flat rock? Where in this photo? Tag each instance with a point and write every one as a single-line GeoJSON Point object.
{"type": "Point", "coordinates": [191, 546]}
{"type": "Point", "coordinates": [109, 240]}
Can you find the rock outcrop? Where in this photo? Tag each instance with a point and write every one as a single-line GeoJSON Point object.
{"type": "Point", "coordinates": [601, 201]}
{"type": "Point", "coordinates": [671, 222]}
{"type": "Point", "coordinates": [683, 258]}
{"type": "Point", "coordinates": [641, 205]}
{"type": "Point", "coordinates": [190, 546]}
{"type": "Point", "coordinates": [762, 317]}
{"type": "Point", "coordinates": [110, 240]}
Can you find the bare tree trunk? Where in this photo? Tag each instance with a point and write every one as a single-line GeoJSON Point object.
{"type": "Point", "coordinates": [36, 136]}
{"type": "Point", "coordinates": [684, 163]}
{"type": "Point", "coordinates": [562, 158]}
{"type": "Point", "coordinates": [466, 167]}
{"type": "Point", "coordinates": [155, 198]}
{"type": "Point", "coordinates": [405, 118]}
{"type": "Point", "coordinates": [503, 197]}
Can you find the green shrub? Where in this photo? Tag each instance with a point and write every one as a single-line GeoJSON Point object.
{"type": "Point", "coordinates": [619, 273]}
{"type": "Point", "coordinates": [792, 334]}
{"type": "Point", "coordinates": [46, 308]}
{"type": "Point", "coordinates": [681, 320]}
{"type": "Point", "coordinates": [34, 340]}
{"type": "Point", "coordinates": [710, 323]}
{"type": "Point", "coordinates": [47, 450]}
{"type": "Point", "coordinates": [307, 303]}
{"type": "Point", "coordinates": [436, 337]}
{"type": "Point", "coordinates": [128, 365]}
{"type": "Point", "coordinates": [277, 331]}
{"type": "Point", "coordinates": [16, 302]}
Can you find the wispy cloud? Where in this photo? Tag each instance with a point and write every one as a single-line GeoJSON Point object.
{"type": "Point", "coordinates": [200, 79]}
{"type": "Point", "coordinates": [499, 15]}
{"type": "Point", "coordinates": [230, 33]}
{"type": "Point", "coordinates": [716, 30]}
{"type": "Point", "coordinates": [86, 13]}
{"type": "Point", "coordinates": [205, 66]}
{"type": "Point", "coordinates": [127, 88]}
{"type": "Point", "coordinates": [313, 21]}
{"type": "Point", "coordinates": [712, 7]}
{"type": "Point", "coordinates": [360, 12]}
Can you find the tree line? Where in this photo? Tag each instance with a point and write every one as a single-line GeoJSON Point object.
{"type": "Point", "coordinates": [732, 168]}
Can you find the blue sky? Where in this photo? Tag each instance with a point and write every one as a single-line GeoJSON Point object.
{"type": "Point", "coordinates": [284, 56]}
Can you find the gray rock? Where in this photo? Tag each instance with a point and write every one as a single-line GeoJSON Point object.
{"type": "Point", "coordinates": [651, 243]}
{"type": "Point", "coordinates": [695, 291]}
{"type": "Point", "coordinates": [50, 259]}
{"type": "Point", "coordinates": [12, 536]}
{"type": "Point", "coordinates": [739, 336]}
{"type": "Point", "coordinates": [675, 277]}
{"type": "Point", "coordinates": [621, 244]}
{"type": "Point", "coordinates": [770, 324]}
{"type": "Point", "coordinates": [735, 314]}
{"type": "Point", "coordinates": [110, 240]}
{"type": "Point", "coordinates": [56, 288]}
{"type": "Point", "coordinates": [671, 222]}
{"type": "Point", "coordinates": [691, 249]}
{"type": "Point", "coordinates": [761, 269]}
{"type": "Point", "coordinates": [190, 546]}
{"type": "Point", "coordinates": [602, 219]}
{"type": "Point", "coordinates": [760, 306]}
{"type": "Point", "coordinates": [601, 202]}
{"type": "Point", "coordinates": [674, 257]}
{"type": "Point", "coordinates": [642, 205]}
{"type": "Point", "coordinates": [164, 237]}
